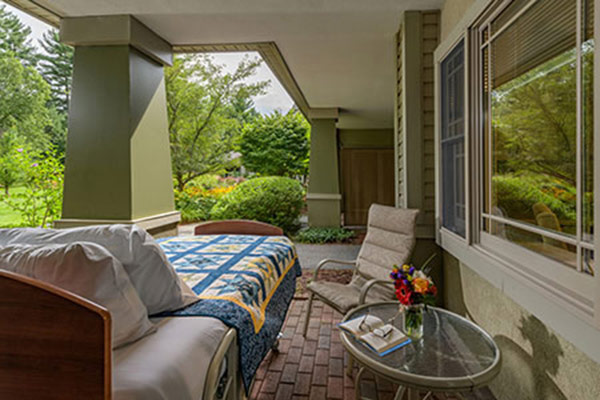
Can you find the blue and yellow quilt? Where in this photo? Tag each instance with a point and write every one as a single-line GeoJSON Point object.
{"type": "Point", "coordinates": [245, 281]}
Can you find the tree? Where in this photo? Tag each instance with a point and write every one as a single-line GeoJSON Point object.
{"type": "Point", "coordinates": [534, 118]}
{"type": "Point", "coordinates": [14, 38]}
{"type": "Point", "coordinates": [56, 66]}
{"type": "Point", "coordinates": [276, 144]}
{"type": "Point", "coordinates": [202, 125]}
{"type": "Point", "coordinates": [10, 172]}
{"type": "Point", "coordinates": [23, 98]}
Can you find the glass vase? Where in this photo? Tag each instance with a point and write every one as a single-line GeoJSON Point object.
{"type": "Point", "coordinates": [412, 321]}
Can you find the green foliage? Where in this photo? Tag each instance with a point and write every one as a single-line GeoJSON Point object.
{"type": "Point", "coordinates": [194, 208]}
{"type": "Point", "coordinates": [40, 202]}
{"type": "Point", "coordinates": [196, 201]}
{"type": "Point", "coordinates": [534, 118]}
{"type": "Point", "coordinates": [9, 218]}
{"type": "Point", "coordinates": [56, 66]}
{"type": "Point", "coordinates": [23, 98]}
{"type": "Point", "coordinates": [201, 103]}
{"type": "Point", "coordinates": [321, 235]}
{"type": "Point", "coordinates": [10, 172]}
{"type": "Point", "coordinates": [276, 144]}
{"type": "Point", "coordinates": [274, 200]}
{"type": "Point", "coordinates": [517, 194]}
{"type": "Point", "coordinates": [14, 38]}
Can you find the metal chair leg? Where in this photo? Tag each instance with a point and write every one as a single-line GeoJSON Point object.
{"type": "Point", "coordinates": [310, 301]}
{"type": "Point", "coordinates": [350, 365]}
{"type": "Point", "coordinates": [357, 392]}
{"type": "Point", "coordinates": [400, 393]}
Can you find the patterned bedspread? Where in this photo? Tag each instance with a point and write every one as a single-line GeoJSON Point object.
{"type": "Point", "coordinates": [245, 281]}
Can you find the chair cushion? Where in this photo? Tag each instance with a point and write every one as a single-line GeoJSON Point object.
{"type": "Point", "coordinates": [90, 271]}
{"type": "Point", "coordinates": [150, 272]}
{"type": "Point", "coordinates": [345, 297]}
{"type": "Point", "coordinates": [389, 241]}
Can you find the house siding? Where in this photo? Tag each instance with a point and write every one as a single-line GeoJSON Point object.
{"type": "Point", "coordinates": [430, 40]}
{"type": "Point", "coordinates": [417, 39]}
{"type": "Point", "coordinates": [537, 362]}
{"type": "Point", "coordinates": [401, 199]}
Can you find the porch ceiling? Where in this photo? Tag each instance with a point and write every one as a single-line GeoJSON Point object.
{"type": "Point", "coordinates": [340, 52]}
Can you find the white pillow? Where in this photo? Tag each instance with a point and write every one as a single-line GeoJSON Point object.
{"type": "Point", "coordinates": [150, 272]}
{"type": "Point", "coordinates": [90, 271]}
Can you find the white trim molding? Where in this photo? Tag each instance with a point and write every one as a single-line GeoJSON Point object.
{"type": "Point", "coordinates": [563, 316]}
{"type": "Point", "coordinates": [152, 222]}
{"type": "Point", "coordinates": [115, 30]}
{"type": "Point", "coordinates": [324, 113]}
{"type": "Point", "coordinates": [324, 196]}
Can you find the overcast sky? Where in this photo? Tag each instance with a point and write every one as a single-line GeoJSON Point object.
{"type": "Point", "coordinates": [276, 97]}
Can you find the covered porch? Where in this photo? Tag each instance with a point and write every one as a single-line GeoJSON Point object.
{"type": "Point", "coordinates": [373, 79]}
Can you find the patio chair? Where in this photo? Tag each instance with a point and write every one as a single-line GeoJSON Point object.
{"type": "Point", "coordinates": [390, 240]}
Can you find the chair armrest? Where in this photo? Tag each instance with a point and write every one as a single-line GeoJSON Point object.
{"type": "Point", "coordinates": [369, 285]}
{"type": "Point", "coordinates": [330, 261]}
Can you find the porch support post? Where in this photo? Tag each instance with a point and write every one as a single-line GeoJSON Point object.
{"type": "Point", "coordinates": [118, 163]}
{"type": "Point", "coordinates": [324, 198]}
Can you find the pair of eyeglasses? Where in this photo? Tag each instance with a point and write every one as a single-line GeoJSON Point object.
{"type": "Point", "coordinates": [383, 332]}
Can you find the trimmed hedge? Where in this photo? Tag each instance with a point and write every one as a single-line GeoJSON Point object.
{"type": "Point", "coordinates": [274, 200]}
{"type": "Point", "coordinates": [321, 235]}
{"type": "Point", "coordinates": [516, 196]}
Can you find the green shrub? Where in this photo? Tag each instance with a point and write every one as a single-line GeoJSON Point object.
{"type": "Point", "coordinates": [40, 201]}
{"type": "Point", "coordinates": [322, 235]}
{"type": "Point", "coordinates": [194, 208]}
{"type": "Point", "coordinates": [206, 181]}
{"type": "Point", "coordinates": [516, 196]}
{"type": "Point", "coordinates": [274, 200]}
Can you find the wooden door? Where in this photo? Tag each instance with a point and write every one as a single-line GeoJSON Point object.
{"type": "Point", "coordinates": [367, 178]}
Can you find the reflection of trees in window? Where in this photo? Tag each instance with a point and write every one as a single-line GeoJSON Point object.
{"type": "Point", "coordinates": [534, 122]}
{"type": "Point", "coordinates": [537, 65]}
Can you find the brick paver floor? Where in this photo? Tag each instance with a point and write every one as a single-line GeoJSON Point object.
{"type": "Point", "coordinates": [314, 368]}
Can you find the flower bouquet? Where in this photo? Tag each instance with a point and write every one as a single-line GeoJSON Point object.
{"type": "Point", "coordinates": [415, 290]}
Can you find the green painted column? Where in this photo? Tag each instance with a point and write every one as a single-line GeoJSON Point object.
{"type": "Point", "coordinates": [118, 164]}
{"type": "Point", "coordinates": [324, 198]}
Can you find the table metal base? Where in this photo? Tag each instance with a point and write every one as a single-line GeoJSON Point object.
{"type": "Point", "coordinates": [403, 392]}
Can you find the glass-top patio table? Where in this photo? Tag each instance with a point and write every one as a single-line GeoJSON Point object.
{"type": "Point", "coordinates": [454, 355]}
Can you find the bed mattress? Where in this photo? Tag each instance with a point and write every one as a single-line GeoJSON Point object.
{"type": "Point", "coordinates": [170, 364]}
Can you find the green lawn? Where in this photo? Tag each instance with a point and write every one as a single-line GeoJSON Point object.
{"type": "Point", "coordinates": [9, 217]}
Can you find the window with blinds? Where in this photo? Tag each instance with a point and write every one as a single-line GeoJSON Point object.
{"type": "Point", "coordinates": [536, 60]}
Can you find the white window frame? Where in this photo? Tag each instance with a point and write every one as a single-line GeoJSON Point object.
{"type": "Point", "coordinates": [438, 73]}
{"type": "Point", "coordinates": [529, 278]}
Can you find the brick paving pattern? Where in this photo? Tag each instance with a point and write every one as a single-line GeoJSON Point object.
{"type": "Point", "coordinates": [314, 368]}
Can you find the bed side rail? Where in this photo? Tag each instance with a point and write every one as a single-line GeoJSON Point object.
{"type": "Point", "coordinates": [53, 344]}
{"type": "Point", "coordinates": [223, 381]}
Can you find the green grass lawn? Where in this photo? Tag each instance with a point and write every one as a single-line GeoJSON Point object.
{"type": "Point", "coordinates": [9, 217]}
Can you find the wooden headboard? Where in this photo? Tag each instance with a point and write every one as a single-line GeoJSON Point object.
{"type": "Point", "coordinates": [237, 226]}
{"type": "Point", "coordinates": [53, 344]}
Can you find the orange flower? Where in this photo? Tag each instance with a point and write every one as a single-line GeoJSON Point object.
{"type": "Point", "coordinates": [420, 285]}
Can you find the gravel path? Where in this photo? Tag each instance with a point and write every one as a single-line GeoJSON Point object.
{"type": "Point", "coordinates": [311, 254]}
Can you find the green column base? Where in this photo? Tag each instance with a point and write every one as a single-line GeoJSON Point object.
{"type": "Point", "coordinates": [324, 209]}
{"type": "Point", "coordinates": [160, 225]}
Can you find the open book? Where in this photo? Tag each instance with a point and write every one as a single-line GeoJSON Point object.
{"type": "Point", "coordinates": [380, 337]}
